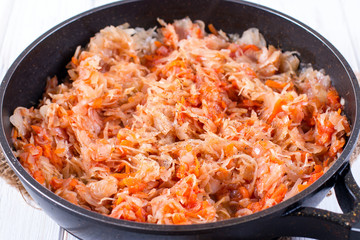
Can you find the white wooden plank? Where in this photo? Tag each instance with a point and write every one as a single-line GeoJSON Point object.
{"type": "Point", "coordinates": [329, 18]}
{"type": "Point", "coordinates": [350, 11]}
{"type": "Point", "coordinates": [21, 221]}
{"type": "Point", "coordinates": [5, 11]}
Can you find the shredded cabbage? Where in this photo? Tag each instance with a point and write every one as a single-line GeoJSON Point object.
{"type": "Point", "coordinates": [178, 126]}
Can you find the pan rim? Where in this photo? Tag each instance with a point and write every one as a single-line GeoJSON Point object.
{"type": "Point", "coordinates": [278, 209]}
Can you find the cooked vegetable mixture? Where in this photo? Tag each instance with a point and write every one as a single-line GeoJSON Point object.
{"type": "Point", "coordinates": [174, 125]}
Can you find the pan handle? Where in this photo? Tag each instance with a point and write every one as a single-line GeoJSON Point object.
{"type": "Point", "coordinates": [348, 195]}
{"type": "Point", "coordinates": [63, 234]}
{"type": "Point", "coordinates": [323, 224]}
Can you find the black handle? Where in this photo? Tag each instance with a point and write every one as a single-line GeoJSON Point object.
{"type": "Point", "coordinates": [348, 195]}
{"type": "Point", "coordinates": [323, 224]}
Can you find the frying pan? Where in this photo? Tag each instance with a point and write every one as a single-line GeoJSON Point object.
{"type": "Point", "coordinates": [25, 81]}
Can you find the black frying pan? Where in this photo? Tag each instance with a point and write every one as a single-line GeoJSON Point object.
{"type": "Point", "coordinates": [24, 84]}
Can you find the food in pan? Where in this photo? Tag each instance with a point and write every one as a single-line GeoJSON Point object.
{"type": "Point", "coordinates": [174, 125]}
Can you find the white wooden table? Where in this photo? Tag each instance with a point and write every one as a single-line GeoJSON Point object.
{"type": "Point", "coordinates": [22, 21]}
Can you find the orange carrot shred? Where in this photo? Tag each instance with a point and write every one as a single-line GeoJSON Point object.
{"type": "Point", "coordinates": [212, 29]}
